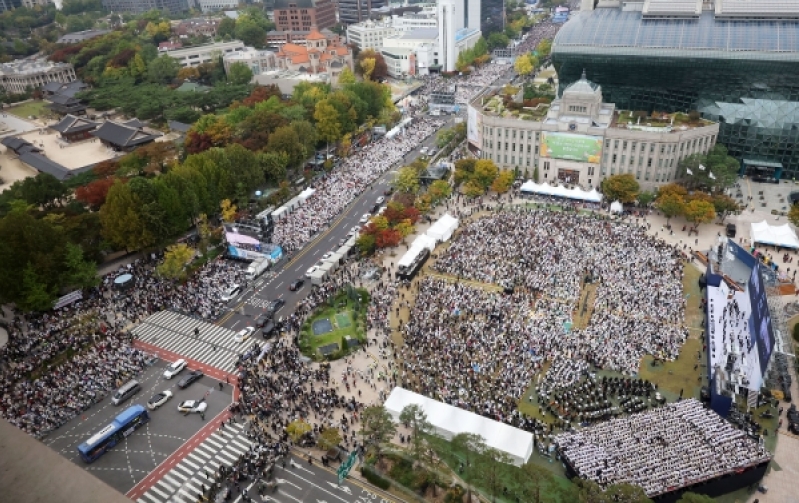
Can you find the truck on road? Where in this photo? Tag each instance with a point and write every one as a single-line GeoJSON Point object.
{"type": "Point", "coordinates": [257, 267]}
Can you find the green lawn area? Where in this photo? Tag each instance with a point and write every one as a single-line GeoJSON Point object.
{"type": "Point", "coordinates": [37, 108]}
{"type": "Point", "coordinates": [348, 319]}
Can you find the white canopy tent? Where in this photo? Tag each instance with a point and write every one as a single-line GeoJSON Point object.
{"type": "Point", "coordinates": [616, 207]}
{"type": "Point", "coordinates": [449, 421]}
{"type": "Point", "coordinates": [305, 194]}
{"type": "Point", "coordinates": [442, 230]}
{"type": "Point", "coordinates": [778, 235]}
{"type": "Point", "coordinates": [530, 187]}
{"type": "Point", "coordinates": [419, 244]}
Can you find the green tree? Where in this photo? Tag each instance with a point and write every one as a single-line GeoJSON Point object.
{"type": "Point", "coordinates": [239, 74]}
{"type": "Point", "coordinates": [497, 40]}
{"type": "Point", "coordinates": [533, 481]}
{"type": "Point", "coordinates": [298, 429]}
{"type": "Point", "coordinates": [503, 182]}
{"type": "Point", "coordinates": [698, 212]}
{"type": "Point", "coordinates": [492, 465]}
{"type": "Point", "coordinates": [406, 180]}
{"type": "Point", "coordinates": [439, 190]}
{"type": "Point", "coordinates": [670, 204]}
{"type": "Point", "coordinates": [473, 188]}
{"type": "Point", "coordinates": [470, 446]}
{"type": "Point", "coordinates": [162, 69]}
{"type": "Point", "coordinates": [535, 174]}
{"type": "Point", "coordinates": [377, 428]}
{"type": "Point", "coordinates": [330, 438]}
{"type": "Point", "coordinates": [37, 296]}
{"type": "Point", "coordinates": [543, 48]}
{"type": "Point", "coordinates": [793, 215]}
{"type": "Point", "coordinates": [328, 122]}
{"type": "Point", "coordinates": [696, 498]}
{"type": "Point", "coordinates": [227, 27]}
{"type": "Point", "coordinates": [645, 198]}
{"type": "Point", "coordinates": [346, 77]}
{"type": "Point", "coordinates": [250, 33]}
{"type": "Point", "coordinates": [366, 243]}
{"type": "Point", "coordinates": [123, 225]}
{"type": "Point", "coordinates": [285, 139]}
{"type": "Point", "coordinates": [724, 205]}
{"type": "Point", "coordinates": [78, 272]}
{"type": "Point", "coordinates": [176, 258]}
{"type": "Point", "coordinates": [414, 417]}
{"type": "Point", "coordinates": [623, 188]}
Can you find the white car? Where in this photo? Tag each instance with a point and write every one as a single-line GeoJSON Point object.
{"type": "Point", "coordinates": [423, 151]}
{"type": "Point", "coordinates": [174, 369]}
{"type": "Point", "coordinates": [189, 406]}
{"type": "Point", "coordinates": [365, 218]}
{"type": "Point", "coordinates": [159, 400]}
{"type": "Point", "coordinates": [310, 271]}
{"type": "Point", "coordinates": [243, 334]}
{"type": "Point", "coordinates": [231, 293]}
{"type": "Point", "coordinates": [327, 256]}
{"type": "Point", "coordinates": [380, 200]}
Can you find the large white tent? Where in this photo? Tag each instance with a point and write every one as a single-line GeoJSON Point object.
{"type": "Point", "coordinates": [448, 421]}
{"type": "Point", "coordinates": [419, 244]}
{"type": "Point", "coordinates": [778, 235]}
{"type": "Point", "coordinates": [530, 187]}
{"type": "Point", "coordinates": [442, 230]}
{"type": "Point", "coordinates": [616, 207]}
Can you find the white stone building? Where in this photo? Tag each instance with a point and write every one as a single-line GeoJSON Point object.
{"type": "Point", "coordinates": [214, 5]}
{"type": "Point", "coordinates": [578, 139]}
{"type": "Point", "coordinates": [257, 60]}
{"type": "Point", "coordinates": [195, 56]}
{"type": "Point", "coordinates": [17, 76]}
{"type": "Point", "coordinates": [370, 34]}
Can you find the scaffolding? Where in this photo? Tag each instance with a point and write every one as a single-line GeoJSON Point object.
{"type": "Point", "coordinates": [779, 320]}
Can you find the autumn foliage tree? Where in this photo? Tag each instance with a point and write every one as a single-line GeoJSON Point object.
{"type": "Point", "coordinates": [94, 194]}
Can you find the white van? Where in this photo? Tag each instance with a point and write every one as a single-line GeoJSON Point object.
{"type": "Point", "coordinates": [231, 293]}
{"type": "Point", "coordinates": [126, 391]}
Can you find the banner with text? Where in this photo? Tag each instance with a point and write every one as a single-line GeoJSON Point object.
{"type": "Point", "coordinates": [571, 147]}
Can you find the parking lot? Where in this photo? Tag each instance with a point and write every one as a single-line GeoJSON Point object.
{"type": "Point", "coordinates": [136, 456]}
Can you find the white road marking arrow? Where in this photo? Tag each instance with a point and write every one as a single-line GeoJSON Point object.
{"type": "Point", "coordinates": [341, 488]}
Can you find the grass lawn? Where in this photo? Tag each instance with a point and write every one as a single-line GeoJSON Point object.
{"type": "Point", "coordinates": [37, 108]}
{"type": "Point", "coordinates": [346, 320]}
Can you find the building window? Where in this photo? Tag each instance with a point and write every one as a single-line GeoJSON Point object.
{"type": "Point", "coordinates": [649, 163]}
{"type": "Point", "coordinates": [614, 159]}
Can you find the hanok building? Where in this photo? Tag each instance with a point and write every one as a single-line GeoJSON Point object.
{"type": "Point", "coordinates": [64, 105]}
{"type": "Point", "coordinates": [73, 129]}
{"type": "Point", "coordinates": [69, 89]}
{"type": "Point", "coordinates": [33, 156]}
{"type": "Point", "coordinates": [126, 136]}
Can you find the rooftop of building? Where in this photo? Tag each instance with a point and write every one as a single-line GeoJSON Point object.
{"type": "Point", "coordinates": [499, 102]}
{"type": "Point", "coordinates": [300, 4]}
{"type": "Point", "coordinates": [79, 36]}
{"type": "Point", "coordinates": [247, 53]}
{"type": "Point", "coordinates": [214, 46]}
{"type": "Point", "coordinates": [638, 27]}
{"type": "Point", "coordinates": [31, 67]}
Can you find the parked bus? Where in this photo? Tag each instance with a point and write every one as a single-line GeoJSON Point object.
{"type": "Point", "coordinates": [124, 424]}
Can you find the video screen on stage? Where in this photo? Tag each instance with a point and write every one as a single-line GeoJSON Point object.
{"type": "Point", "coordinates": [760, 327]}
{"type": "Point", "coordinates": [571, 147]}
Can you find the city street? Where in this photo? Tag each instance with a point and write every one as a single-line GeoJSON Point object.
{"type": "Point", "coordinates": [131, 460]}
{"type": "Point", "coordinates": [274, 284]}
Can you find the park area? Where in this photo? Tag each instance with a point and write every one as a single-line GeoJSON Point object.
{"type": "Point", "coordinates": [338, 326]}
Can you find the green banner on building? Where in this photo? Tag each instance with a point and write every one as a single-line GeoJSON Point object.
{"type": "Point", "coordinates": [572, 147]}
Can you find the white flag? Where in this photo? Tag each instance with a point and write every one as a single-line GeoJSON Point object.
{"type": "Point", "coordinates": [712, 176]}
{"type": "Point", "coordinates": [688, 170]}
{"type": "Point", "coordinates": [701, 168]}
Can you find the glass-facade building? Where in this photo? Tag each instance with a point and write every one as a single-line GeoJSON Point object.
{"type": "Point", "coordinates": [742, 71]}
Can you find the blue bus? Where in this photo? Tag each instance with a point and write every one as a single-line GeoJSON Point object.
{"type": "Point", "coordinates": [124, 424]}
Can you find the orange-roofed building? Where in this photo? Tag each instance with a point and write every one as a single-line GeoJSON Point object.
{"type": "Point", "coordinates": [318, 54]}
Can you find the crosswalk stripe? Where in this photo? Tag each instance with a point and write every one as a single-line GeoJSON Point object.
{"type": "Point", "coordinates": [186, 479]}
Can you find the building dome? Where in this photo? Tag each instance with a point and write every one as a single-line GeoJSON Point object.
{"type": "Point", "coordinates": [583, 88]}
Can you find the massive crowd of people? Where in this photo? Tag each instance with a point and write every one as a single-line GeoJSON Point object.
{"type": "Point", "coordinates": [677, 445]}
{"type": "Point", "coordinates": [35, 397]}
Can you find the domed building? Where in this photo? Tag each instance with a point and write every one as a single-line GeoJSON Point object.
{"type": "Point", "coordinates": [580, 140]}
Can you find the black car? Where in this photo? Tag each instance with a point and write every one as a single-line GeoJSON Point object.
{"type": "Point", "coordinates": [268, 330]}
{"type": "Point", "coordinates": [274, 307]}
{"type": "Point", "coordinates": [194, 375]}
{"type": "Point", "coordinates": [296, 284]}
{"type": "Point", "coordinates": [261, 321]}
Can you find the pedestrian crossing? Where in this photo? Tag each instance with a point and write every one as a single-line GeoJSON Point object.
{"type": "Point", "coordinates": [183, 484]}
{"type": "Point", "coordinates": [213, 345]}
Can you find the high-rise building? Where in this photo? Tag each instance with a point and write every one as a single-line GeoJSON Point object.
{"type": "Point", "coordinates": [301, 15]}
{"type": "Point", "coordinates": [734, 61]}
{"type": "Point", "coordinates": [355, 11]}
{"type": "Point", "coordinates": [492, 15]}
{"type": "Point", "coordinates": [458, 21]}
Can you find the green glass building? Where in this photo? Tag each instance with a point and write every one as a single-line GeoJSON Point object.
{"type": "Point", "coordinates": [735, 61]}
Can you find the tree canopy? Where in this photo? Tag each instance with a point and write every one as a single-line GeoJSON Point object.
{"type": "Point", "coordinates": [623, 188]}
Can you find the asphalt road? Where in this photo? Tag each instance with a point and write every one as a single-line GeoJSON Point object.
{"type": "Point", "coordinates": [300, 482]}
{"type": "Point", "coordinates": [275, 283]}
{"type": "Point", "coordinates": [131, 460]}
